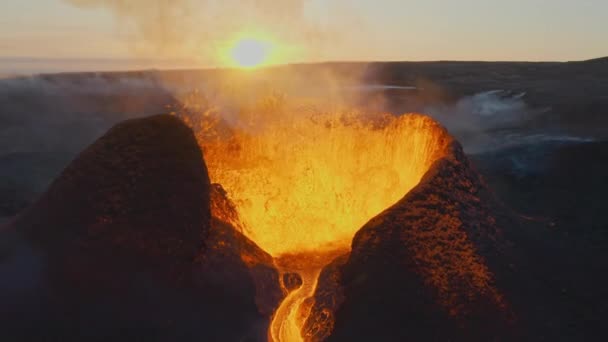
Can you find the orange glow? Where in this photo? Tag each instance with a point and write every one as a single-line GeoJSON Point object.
{"type": "Point", "coordinates": [304, 182]}
{"type": "Point", "coordinates": [249, 53]}
{"type": "Point", "coordinates": [286, 325]}
{"type": "Point", "coordinates": [309, 183]}
{"type": "Point", "coordinates": [251, 50]}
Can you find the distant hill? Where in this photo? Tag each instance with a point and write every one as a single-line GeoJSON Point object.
{"type": "Point", "coordinates": [597, 60]}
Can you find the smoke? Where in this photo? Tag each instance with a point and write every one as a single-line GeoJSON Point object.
{"type": "Point", "coordinates": [487, 120]}
{"type": "Point", "coordinates": [33, 110]}
{"type": "Point", "coordinates": [198, 28]}
{"type": "Point", "coordinates": [45, 121]}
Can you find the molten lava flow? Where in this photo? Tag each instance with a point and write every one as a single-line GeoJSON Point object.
{"type": "Point", "coordinates": [289, 318]}
{"type": "Point", "coordinates": [304, 183]}
{"type": "Point", "coordinates": [311, 183]}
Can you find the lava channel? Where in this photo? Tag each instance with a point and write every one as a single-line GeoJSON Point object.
{"type": "Point", "coordinates": [289, 318]}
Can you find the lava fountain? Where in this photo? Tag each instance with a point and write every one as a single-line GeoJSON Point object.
{"type": "Point", "coordinates": [304, 182]}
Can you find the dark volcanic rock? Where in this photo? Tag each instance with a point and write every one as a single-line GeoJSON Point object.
{"type": "Point", "coordinates": [228, 244]}
{"type": "Point", "coordinates": [419, 270]}
{"type": "Point", "coordinates": [328, 297]}
{"type": "Point", "coordinates": [292, 281]}
{"type": "Point", "coordinates": [557, 281]}
{"type": "Point", "coordinates": [123, 247]}
{"type": "Point", "coordinates": [142, 187]}
{"type": "Point", "coordinates": [450, 261]}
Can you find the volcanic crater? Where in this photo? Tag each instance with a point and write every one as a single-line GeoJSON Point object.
{"type": "Point", "coordinates": [265, 241]}
{"type": "Point", "coordinates": [302, 188]}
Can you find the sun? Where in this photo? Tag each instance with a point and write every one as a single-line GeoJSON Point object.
{"type": "Point", "coordinates": [250, 52]}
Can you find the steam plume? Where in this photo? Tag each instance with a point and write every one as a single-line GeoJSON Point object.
{"type": "Point", "coordinates": [195, 28]}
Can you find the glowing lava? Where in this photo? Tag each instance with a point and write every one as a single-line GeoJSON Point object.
{"type": "Point", "coordinates": [309, 183]}
{"type": "Point", "coordinates": [289, 318]}
{"type": "Point", "coordinates": [304, 183]}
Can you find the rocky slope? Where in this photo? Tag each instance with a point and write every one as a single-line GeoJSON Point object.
{"type": "Point", "coordinates": [420, 270]}
{"type": "Point", "coordinates": [123, 246]}
{"type": "Point", "coordinates": [515, 255]}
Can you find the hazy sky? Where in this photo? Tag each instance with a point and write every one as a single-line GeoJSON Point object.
{"type": "Point", "coordinates": [326, 29]}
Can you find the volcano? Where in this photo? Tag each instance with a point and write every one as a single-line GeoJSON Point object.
{"type": "Point", "coordinates": [421, 264]}
{"type": "Point", "coordinates": [332, 229]}
{"type": "Point", "coordinates": [123, 246]}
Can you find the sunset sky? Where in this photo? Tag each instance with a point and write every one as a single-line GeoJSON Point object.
{"type": "Point", "coordinates": [193, 31]}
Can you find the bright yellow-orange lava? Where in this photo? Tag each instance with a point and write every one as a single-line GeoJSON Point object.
{"type": "Point", "coordinates": [304, 183]}
{"type": "Point", "coordinates": [288, 320]}
{"type": "Point", "coordinates": [309, 183]}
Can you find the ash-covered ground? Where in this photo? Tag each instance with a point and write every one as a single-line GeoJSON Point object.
{"type": "Point", "coordinates": [537, 133]}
